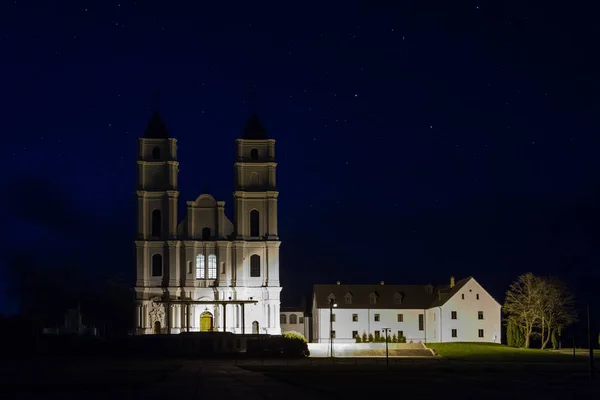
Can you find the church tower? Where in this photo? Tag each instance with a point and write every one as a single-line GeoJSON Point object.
{"type": "Point", "coordinates": [157, 194]}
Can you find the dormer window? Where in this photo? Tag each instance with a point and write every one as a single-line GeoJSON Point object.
{"type": "Point", "coordinates": [398, 298]}
{"type": "Point", "coordinates": [331, 298]}
{"type": "Point", "coordinates": [373, 298]}
{"type": "Point", "coordinates": [348, 298]}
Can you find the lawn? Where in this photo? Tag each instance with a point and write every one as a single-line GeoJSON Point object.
{"type": "Point", "coordinates": [495, 352]}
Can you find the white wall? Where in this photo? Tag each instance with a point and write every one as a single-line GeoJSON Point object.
{"type": "Point", "coordinates": [300, 327]}
{"type": "Point", "coordinates": [343, 325]}
{"type": "Point", "coordinates": [467, 323]}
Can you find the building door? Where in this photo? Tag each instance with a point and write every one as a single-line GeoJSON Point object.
{"type": "Point", "coordinates": [255, 327]}
{"type": "Point", "coordinates": [206, 322]}
{"type": "Point", "coordinates": [156, 329]}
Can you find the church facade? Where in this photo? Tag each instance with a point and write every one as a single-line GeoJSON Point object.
{"type": "Point", "coordinates": [207, 273]}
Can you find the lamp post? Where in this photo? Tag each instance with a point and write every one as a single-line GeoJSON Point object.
{"type": "Point", "coordinates": [387, 357]}
{"type": "Point", "coordinates": [332, 304]}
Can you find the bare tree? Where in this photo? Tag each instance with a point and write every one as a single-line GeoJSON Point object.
{"type": "Point", "coordinates": [556, 310]}
{"type": "Point", "coordinates": [522, 303]}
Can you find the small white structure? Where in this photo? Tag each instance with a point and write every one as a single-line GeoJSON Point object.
{"type": "Point", "coordinates": [462, 311]}
{"type": "Point", "coordinates": [294, 320]}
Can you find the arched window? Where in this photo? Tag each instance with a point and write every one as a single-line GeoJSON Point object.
{"type": "Point", "coordinates": [156, 153]}
{"type": "Point", "coordinates": [255, 327]}
{"type": "Point", "coordinates": [254, 154]}
{"type": "Point", "coordinates": [206, 233]}
{"type": "Point", "coordinates": [254, 226]}
{"type": "Point", "coordinates": [156, 223]}
{"type": "Point", "coordinates": [200, 266]}
{"type": "Point", "coordinates": [255, 265]}
{"type": "Point", "coordinates": [293, 319]}
{"type": "Point", "coordinates": [282, 319]}
{"type": "Point", "coordinates": [212, 266]}
{"type": "Point", "coordinates": [157, 266]}
{"type": "Point", "coordinates": [254, 179]}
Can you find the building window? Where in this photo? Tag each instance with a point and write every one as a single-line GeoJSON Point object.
{"type": "Point", "coordinates": [397, 298]}
{"type": "Point", "coordinates": [354, 334]}
{"type": "Point", "coordinates": [156, 153]}
{"type": "Point", "coordinates": [354, 317]}
{"type": "Point", "coordinates": [156, 223]}
{"type": "Point", "coordinates": [477, 296]}
{"type": "Point", "coordinates": [212, 266]}
{"type": "Point", "coordinates": [400, 317]}
{"type": "Point", "coordinates": [463, 296]}
{"type": "Point", "coordinates": [332, 317]}
{"type": "Point", "coordinates": [348, 298]}
{"type": "Point", "coordinates": [206, 233]}
{"type": "Point", "coordinates": [373, 298]}
{"type": "Point", "coordinates": [282, 319]}
{"type": "Point", "coordinates": [293, 319]}
{"type": "Point", "coordinates": [255, 265]}
{"type": "Point", "coordinates": [420, 322]}
{"type": "Point", "coordinates": [453, 315]}
{"type": "Point", "coordinates": [254, 179]}
{"type": "Point", "coordinates": [331, 298]}
{"type": "Point", "coordinates": [454, 332]}
{"type": "Point", "coordinates": [376, 318]}
{"type": "Point", "coordinates": [254, 229]}
{"type": "Point", "coordinates": [480, 332]}
{"type": "Point", "coordinates": [377, 335]}
{"type": "Point", "coordinates": [200, 266]}
{"type": "Point", "coordinates": [479, 314]}
{"type": "Point", "coordinates": [333, 334]}
{"type": "Point", "coordinates": [254, 154]}
{"type": "Point", "coordinates": [157, 267]}
{"type": "Point", "coordinates": [300, 320]}
{"type": "Point", "coordinates": [400, 334]}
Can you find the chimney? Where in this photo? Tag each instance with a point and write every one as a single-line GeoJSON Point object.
{"type": "Point", "coordinates": [451, 282]}
{"type": "Point", "coordinates": [338, 283]}
{"type": "Point", "coordinates": [382, 283]}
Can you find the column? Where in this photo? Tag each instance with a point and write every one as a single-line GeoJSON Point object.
{"type": "Point", "coordinates": [243, 319]}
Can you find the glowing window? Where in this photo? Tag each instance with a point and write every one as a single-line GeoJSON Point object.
{"type": "Point", "coordinates": [200, 266]}
{"type": "Point", "coordinates": [212, 266]}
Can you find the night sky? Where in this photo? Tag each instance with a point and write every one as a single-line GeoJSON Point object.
{"type": "Point", "coordinates": [415, 139]}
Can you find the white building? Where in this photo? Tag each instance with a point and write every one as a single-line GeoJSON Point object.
{"type": "Point", "coordinates": [207, 273]}
{"type": "Point", "coordinates": [294, 320]}
{"type": "Point", "coordinates": [459, 312]}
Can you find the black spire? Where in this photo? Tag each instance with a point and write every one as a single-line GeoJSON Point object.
{"type": "Point", "coordinates": [156, 128]}
{"type": "Point", "coordinates": [254, 129]}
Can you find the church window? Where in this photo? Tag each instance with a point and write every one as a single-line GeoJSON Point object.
{"type": "Point", "coordinates": [157, 265]}
{"type": "Point", "coordinates": [254, 179]}
{"type": "Point", "coordinates": [200, 266]}
{"type": "Point", "coordinates": [255, 266]}
{"type": "Point", "coordinates": [254, 154]}
{"type": "Point", "coordinates": [293, 319]}
{"type": "Point", "coordinates": [282, 319]}
{"type": "Point", "coordinates": [156, 223]}
{"type": "Point", "coordinates": [254, 231]}
{"type": "Point", "coordinates": [212, 266]}
{"type": "Point", "coordinates": [300, 320]}
{"type": "Point", "coordinates": [206, 233]}
{"type": "Point", "coordinates": [156, 153]}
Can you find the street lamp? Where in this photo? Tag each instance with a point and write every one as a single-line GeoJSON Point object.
{"type": "Point", "coordinates": [387, 358]}
{"type": "Point", "coordinates": [332, 304]}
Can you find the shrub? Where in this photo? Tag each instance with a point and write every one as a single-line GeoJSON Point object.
{"type": "Point", "coordinates": [364, 337]}
{"type": "Point", "coordinates": [357, 338]}
{"type": "Point", "coordinates": [370, 338]}
{"type": "Point", "coordinates": [402, 339]}
{"type": "Point", "coordinates": [394, 338]}
{"type": "Point", "coordinates": [388, 339]}
{"type": "Point", "coordinates": [294, 345]}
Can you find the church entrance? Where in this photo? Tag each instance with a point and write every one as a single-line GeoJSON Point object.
{"type": "Point", "coordinates": [206, 322]}
{"type": "Point", "coordinates": [255, 327]}
{"type": "Point", "coordinates": [156, 328]}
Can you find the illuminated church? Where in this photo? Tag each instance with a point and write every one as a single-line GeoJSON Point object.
{"type": "Point", "coordinates": [205, 272]}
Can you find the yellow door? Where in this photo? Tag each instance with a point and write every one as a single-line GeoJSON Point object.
{"type": "Point", "coordinates": [156, 327]}
{"type": "Point", "coordinates": [206, 322]}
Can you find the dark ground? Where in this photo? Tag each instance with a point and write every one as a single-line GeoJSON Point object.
{"type": "Point", "coordinates": [289, 379]}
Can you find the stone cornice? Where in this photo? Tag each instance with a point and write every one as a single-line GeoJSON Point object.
{"type": "Point", "coordinates": [255, 141]}
{"type": "Point", "coordinates": [170, 162]}
{"type": "Point", "coordinates": [256, 195]}
{"type": "Point", "coordinates": [154, 140]}
{"type": "Point", "coordinates": [157, 194]}
{"type": "Point", "coordinates": [271, 164]}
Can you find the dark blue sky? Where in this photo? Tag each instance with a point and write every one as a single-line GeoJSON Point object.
{"type": "Point", "coordinates": [415, 139]}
